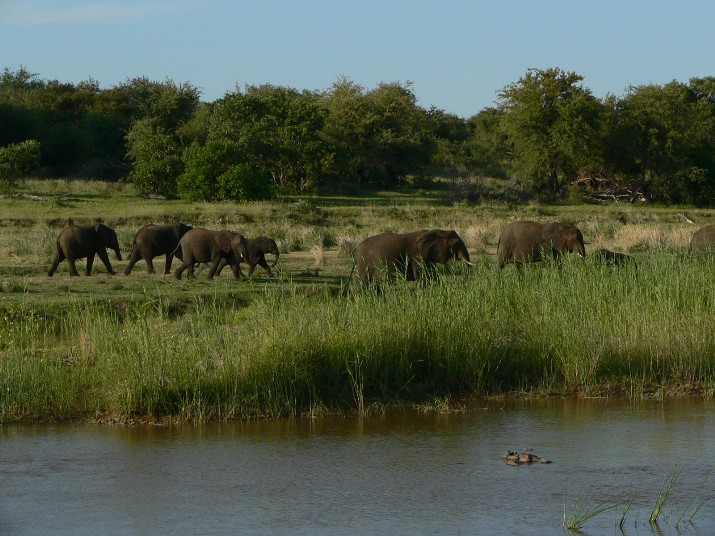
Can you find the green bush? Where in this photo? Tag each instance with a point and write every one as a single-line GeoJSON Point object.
{"type": "Point", "coordinates": [156, 160]}
{"type": "Point", "coordinates": [15, 160]}
{"type": "Point", "coordinates": [217, 171]}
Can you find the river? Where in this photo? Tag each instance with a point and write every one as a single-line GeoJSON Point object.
{"type": "Point", "coordinates": [403, 472]}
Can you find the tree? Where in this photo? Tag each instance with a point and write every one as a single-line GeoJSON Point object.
{"type": "Point", "coordinates": [278, 130]}
{"type": "Point", "coordinates": [156, 156]}
{"type": "Point", "coordinates": [16, 160]}
{"type": "Point", "coordinates": [154, 142]}
{"type": "Point", "coordinates": [664, 135]}
{"type": "Point", "coordinates": [553, 125]}
{"type": "Point", "coordinates": [218, 171]}
{"type": "Point", "coordinates": [381, 135]}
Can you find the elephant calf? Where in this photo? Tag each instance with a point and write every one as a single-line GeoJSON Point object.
{"type": "Point", "coordinates": [529, 241]}
{"type": "Point", "coordinates": [390, 253]}
{"type": "Point", "coordinates": [204, 245]}
{"type": "Point", "coordinates": [613, 258]}
{"type": "Point", "coordinates": [76, 242]}
{"type": "Point", "coordinates": [154, 240]}
{"type": "Point", "coordinates": [257, 249]}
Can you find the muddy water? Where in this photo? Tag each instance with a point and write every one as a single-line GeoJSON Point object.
{"type": "Point", "coordinates": [401, 473]}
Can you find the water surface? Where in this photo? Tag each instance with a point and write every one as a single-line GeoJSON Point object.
{"type": "Point", "coordinates": [399, 473]}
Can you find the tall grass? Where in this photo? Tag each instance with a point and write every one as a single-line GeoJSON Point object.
{"type": "Point", "coordinates": [545, 329]}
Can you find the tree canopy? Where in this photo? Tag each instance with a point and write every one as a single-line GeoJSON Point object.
{"type": "Point", "coordinates": [546, 130]}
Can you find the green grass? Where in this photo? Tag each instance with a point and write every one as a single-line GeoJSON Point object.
{"type": "Point", "coordinates": [208, 352]}
{"type": "Point", "coordinates": [584, 510]}
{"type": "Point", "coordinates": [307, 343]}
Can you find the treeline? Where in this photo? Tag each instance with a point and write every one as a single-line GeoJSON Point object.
{"type": "Point", "coordinates": [545, 131]}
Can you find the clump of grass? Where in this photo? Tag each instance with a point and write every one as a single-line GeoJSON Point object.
{"type": "Point", "coordinates": [574, 327]}
{"type": "Point", "coordinates": [318, 254]}
{"type": "Point", "coordinates": [663, 494]}
{"type": "Point", "coordinates": [696, 502]}
{"type": "Point", "coordinates": [584, 510]}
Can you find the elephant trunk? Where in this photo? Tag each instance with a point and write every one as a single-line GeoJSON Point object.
{"type": "Point", "coordinates": [275, 261]}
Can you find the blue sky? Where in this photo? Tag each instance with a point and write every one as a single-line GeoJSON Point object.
{"type": "Point", "coordinates": [456, 53]}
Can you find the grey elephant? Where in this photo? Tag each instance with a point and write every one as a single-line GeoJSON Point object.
{"type": "Point", "coordinates": [204, 245]}
{"type": "Point", "coordinates": [408, 253]}
{"type": "Point", "coordinates": [75, 242]}
{"type": "Point", "coordinates": [257, 249]}
{"type": "Point", "coordinates": [154, 240]}
{"type": "Point", "coordinates": [529, 241]}
{"type": "Point", "coordinates": [703, 240]}
{"type": "Point", "coordinates": [612, 258]}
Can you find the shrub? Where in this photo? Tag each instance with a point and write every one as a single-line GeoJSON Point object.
{"type": "Point", "coordinates": [15, 160]}
{"type": "Point", "coordinates": [218, 171]}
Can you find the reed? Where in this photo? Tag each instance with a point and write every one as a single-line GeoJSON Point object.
{"type": "Point", "coordinates": [192, 351]}
{"type": "Point", "coordinates": [663, 494]}
{"type": "Point", "coordinates": [584, 510]}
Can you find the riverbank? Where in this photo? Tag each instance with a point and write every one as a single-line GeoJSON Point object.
{"type": "Point", "coordinates": [307, 342]}
{"type": "Point", "coordinates": [581, 329]}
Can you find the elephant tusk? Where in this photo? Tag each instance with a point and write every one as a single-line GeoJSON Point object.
{"type": "Point", "coordinates": [469, 263]}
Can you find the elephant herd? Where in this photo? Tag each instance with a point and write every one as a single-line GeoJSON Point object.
{"type": "Point", "coordinates": [376, 258]}
{"type": "Point", "coordinates": [190, 245]}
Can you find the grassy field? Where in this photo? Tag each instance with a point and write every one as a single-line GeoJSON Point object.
{"type": "Point", "coordinates": [307, 342]}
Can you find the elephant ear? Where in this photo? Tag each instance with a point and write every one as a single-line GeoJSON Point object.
{"type": "Point", "coordinates": [432, 245]}
{"type": "Point", "coordinates": [101, 231]}
{"type": "Point", "coordinates": [223, 239]}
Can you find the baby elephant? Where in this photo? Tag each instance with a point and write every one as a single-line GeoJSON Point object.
{"type": "Point", "coordinates": [613, 258]}
{"type": "Point", "coordinates": [205, 245]}
{"type": "Point", "coordinates": [77, 242]}
{"type": "Point", "coordinates": [257, 249]}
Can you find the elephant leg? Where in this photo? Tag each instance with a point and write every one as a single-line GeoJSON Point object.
{"type": "Point", "coordinates": [105, 259]}
{"type": "Point", "coordinates": [264, 265]}
{"type": "Point", "coordinates": [186, 263]}
{"type": "Point", "coordinates": [150, 264]}
{"type": "Point", "coordinates": [221, 266]}
{"type": "Point", "coordinates": [167, 264]}
{"type": "Point", "coordinates": [90, 263]}
{"type": "Point", "coordinates": [134, 257]}
{"type": "Point", "coordinates": [59, 257]}
{"type": "Point", "coordinates": [179, 271]}
{"type": "Point", "coordinates": [236, 269]}
{"type": "Point", "coordinates": [215, 263]}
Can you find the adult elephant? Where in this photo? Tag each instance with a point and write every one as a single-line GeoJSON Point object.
{"type": "Point", "coordinates": [77, 242]}
{"type": "Point", "coordinates": [703, 240]}
{"type": "Point", "coordinates": [529, 241]}
{"type": "Point", "coordinates": [205, 245]}
{"type": "Point", "coordinates": [257, 250]}
{"type": "Point", "coordinates": [408, 253]}
{"type": "Point", "coordinates": [154, 240]}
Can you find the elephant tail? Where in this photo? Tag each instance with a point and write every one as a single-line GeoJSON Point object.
{"type": "Point", "coordinates": [177, 248]}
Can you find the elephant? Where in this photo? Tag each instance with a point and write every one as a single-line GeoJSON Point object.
{"type": "Point", "coordinates": [75, 242]}
{"type": "Point", "coordinates": [528, 241]}
{"type": "Point", "coordinates": [703, 240]}
{"type": "Point", "coordinates": [205, 245]}
{"type": "Point", "coordinates": [154, 240]}
{"type": "Point", "coordinates": [613, 258]}
{"type": "Point", "coordinates": [257, 249]}
{"type": "Point", "coordinates": [390, 253]}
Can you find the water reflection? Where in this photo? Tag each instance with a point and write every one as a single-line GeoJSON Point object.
{"type": "Point", "coordinates": [399, 473]}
